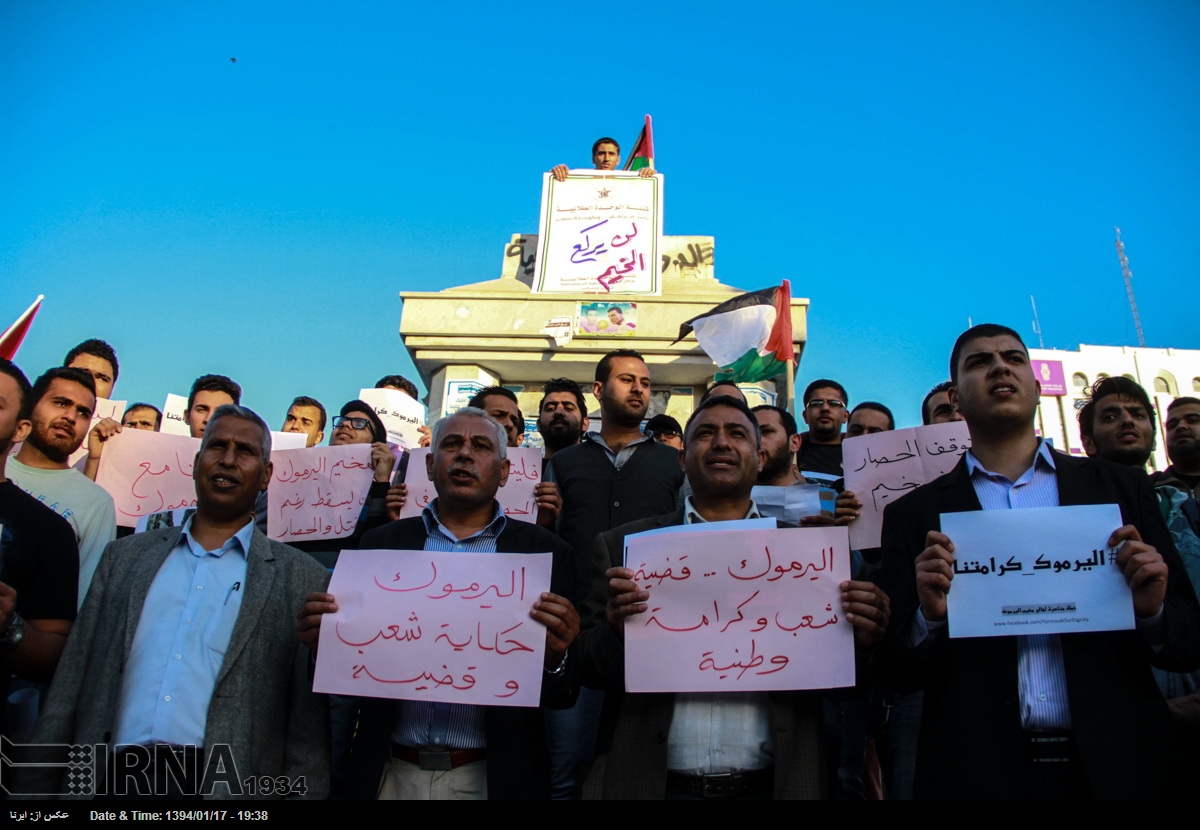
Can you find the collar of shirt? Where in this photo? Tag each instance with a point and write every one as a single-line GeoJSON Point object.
{"type": "Point", "coordinates": [1044, 453]}
{"type": "Point", "coordinates": [692, 517]}
{"type": "Point", "coordinates": [239, 541]}
{"type": "Point", "coordinates": [434, 526]}
{"type": "Point", "coordinates": [619, 457]}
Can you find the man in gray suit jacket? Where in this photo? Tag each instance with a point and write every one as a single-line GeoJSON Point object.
{"type": "Point", "coordinates": [775, 751]}
{"type": "Point", "coordinates": [185, 654]}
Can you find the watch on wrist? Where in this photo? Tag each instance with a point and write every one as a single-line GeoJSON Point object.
{"type": "Point", "coordinates": [15, 631]}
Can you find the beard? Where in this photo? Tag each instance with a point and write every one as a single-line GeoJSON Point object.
{"type": "Point", "coordinates": [821, 432]}
{"type": "Point", "coordinates": [1185, 454]}
{"type": "Point", "coordinates": [619, 412]}
{"type": "Point", "coordinates": [776, 465]}
{"type": "Point", "coordinates": [1128, 456]}
{"type": "Point", "coordinates": [50, 445]}
{"type": "Point", "coordinates": [559, 434]}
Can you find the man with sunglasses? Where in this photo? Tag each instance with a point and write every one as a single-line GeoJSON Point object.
{"type": "Point", "coordinates": [825, 411]}
{"type": "Point", "coordinates": [357, 423]}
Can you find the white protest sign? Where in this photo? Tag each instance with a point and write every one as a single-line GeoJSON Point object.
{"type": "Point", "coordinates": [173, 411]}
{"type": "Point", "coordinates": [318, 492]}
{"type": "Point", "coordinates": [287, 441]}
{"type": "Point", "coordinates": [599, 232]}
{"type": "Point", "coordinates": [515, 497]}
{"type": "Point", "coordinates": [146, 472]}
{"type": "Point", "coordinates": [883, 466]}
{"type": "Point", "coordinates": [1040, 570]}
{"type": "Point", "coordinates": [443, 627]}
{"type": "Point", "coordinates": [790, 504]}
{"type": "Point", "coordinates": [739, 610]}
{"type": "Point", "coordinates": [401, 415]}
{"type": "Point", "coordinates": [104, 409]}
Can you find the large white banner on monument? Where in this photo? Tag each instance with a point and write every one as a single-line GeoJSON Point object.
{"type": "Point", "coordinates": [600, 233]}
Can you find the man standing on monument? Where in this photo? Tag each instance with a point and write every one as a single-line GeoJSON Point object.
{"type": "Point", "coordinates": [606, 155]}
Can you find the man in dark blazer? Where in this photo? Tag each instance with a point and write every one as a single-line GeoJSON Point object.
{"type": "Point", "coordinates": [467, 465]}
{"type": "Point", "coordinates": [723, 456]}
{"type": "Point", "coordinates": [233, 674]}
{"type": "Point", "coordinates": [1073, 715]}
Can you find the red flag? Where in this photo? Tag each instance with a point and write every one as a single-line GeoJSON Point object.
{"type": "Point", "coordinates": [10, 341]}
{"type": "Point", "coordinates": [642, 154]}
{"type": "Point", "coordinates": [780, 341]}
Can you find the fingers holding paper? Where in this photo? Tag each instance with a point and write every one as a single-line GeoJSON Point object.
{"type": "Point", "coordinates": [935, 570]}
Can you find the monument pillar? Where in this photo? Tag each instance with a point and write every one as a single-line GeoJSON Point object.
{"type": "Point", "coordinates": [499, 332]}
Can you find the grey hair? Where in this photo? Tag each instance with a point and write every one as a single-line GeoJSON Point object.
{"type": "Point", "coordinates": [234, 410]}
{"type": "Point", "coordinates": [474, 412]}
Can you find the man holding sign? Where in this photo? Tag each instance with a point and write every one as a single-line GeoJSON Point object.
{"type": "Point", "coordinates": [606, 155]}
{"type": "Point", "coordinates": [1044, 715]}
{"type": "Point", "coordinates": [185, 647]}
{"type": "Point", "coordinates": [415, 749]}
{"type": "Point", "coordinates": [724, 745]}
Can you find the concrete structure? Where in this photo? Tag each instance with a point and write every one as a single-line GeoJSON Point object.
{"type": "Point", "coordinates": [1164, 373]}
{"type": "Point", "coordinates": [498, 332]}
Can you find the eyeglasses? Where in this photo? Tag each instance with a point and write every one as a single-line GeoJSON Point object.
{"type": "Point", "coordinates": [356, 423]}
{"type": "Point", "coordinates": [832, 403]}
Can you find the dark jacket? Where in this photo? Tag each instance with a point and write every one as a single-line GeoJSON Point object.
{"type": "Point", "coordinates": [598, 497]}
{"type": "Point", "coordinates": [971, 742]}
{"type": "Point", "coordinates": [633, 747]}
{"type": "Point", "coordinates": [517, 762]}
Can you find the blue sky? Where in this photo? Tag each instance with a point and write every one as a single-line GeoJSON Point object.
{"type": "Point", "coordinates": [905, 165]}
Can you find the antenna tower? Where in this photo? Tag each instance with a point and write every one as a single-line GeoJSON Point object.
{"type": "Point", "coordinates": [1137, 320]}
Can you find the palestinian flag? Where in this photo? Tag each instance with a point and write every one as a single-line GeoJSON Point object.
{"type": "Point", "coordinates": [642, 154]}
{"type": "Point", "coordinates": [749, 336]}
{"type": "Point", "coordinates": [10, 341]}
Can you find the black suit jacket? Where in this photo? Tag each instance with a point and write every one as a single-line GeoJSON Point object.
{"type": "Point", "coordinates": [633, 736]}
{"type": "Point", "coordinates": [518, 766]}
{"type": "Point", "coordinates": [970, 744]}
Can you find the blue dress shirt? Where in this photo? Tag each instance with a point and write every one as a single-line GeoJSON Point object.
{"type": "Point", "coordinates": [454, 725]}
{"type": "Point", "coordinates": [181, 640]}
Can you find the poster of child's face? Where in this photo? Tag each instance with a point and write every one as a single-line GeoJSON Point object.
{"type": "Point", "coordinates": [606, 319]}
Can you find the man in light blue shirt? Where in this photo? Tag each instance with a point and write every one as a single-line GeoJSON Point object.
{"type": "Point", "coordinates": [424, 750]}
{"type": "Point", "coordinates": [184, 661]}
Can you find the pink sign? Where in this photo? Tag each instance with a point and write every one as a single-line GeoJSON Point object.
{"type": "Point", "coordinates": [1049, 374]}
{"type": "Point", "coordinates": [443, 627]}
{"type": "Point", "coordinates": [104, 409]}
{"type": "Point", "coordinates": [515, 497]}
{"type": "Point", "coordinates": [739, 610]}
{"type": "Point", "coordinates": [318, 492]}
{"type": "Point", "coordinates": [146, 472]}
{"type": "Point", "coordinates": [883, 466]}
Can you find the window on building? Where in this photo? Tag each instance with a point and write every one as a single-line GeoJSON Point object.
{"type": "Point", "coordinates": [1079, 380]}
{"type": "Point", "coordinates": [1196, 384]}
{"type": "Point", "coordinates": [1164, 383]}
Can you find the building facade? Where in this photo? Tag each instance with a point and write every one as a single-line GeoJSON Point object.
{"type": "Point", "coordinates": [1065, 376]}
